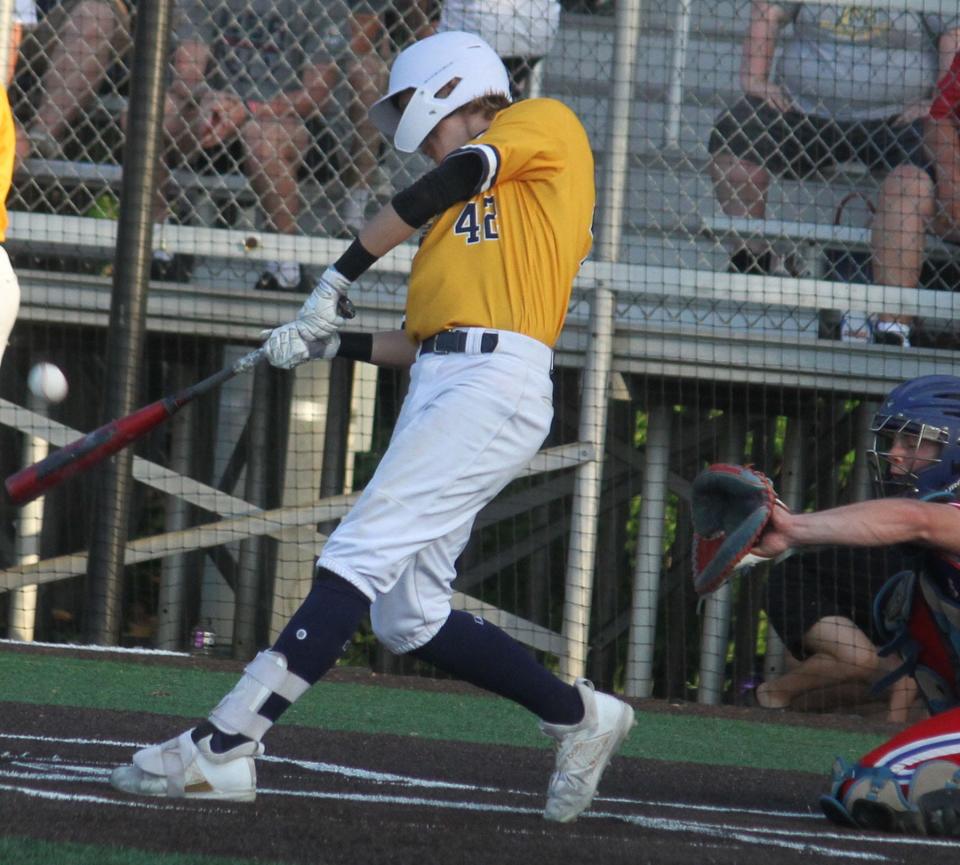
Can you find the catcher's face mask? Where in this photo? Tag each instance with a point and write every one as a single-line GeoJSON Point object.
{"type": "Point", "coordinates": [905, 454]}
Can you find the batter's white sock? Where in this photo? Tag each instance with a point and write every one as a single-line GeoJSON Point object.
{"type": "Point", "coordinates": [893, 332]}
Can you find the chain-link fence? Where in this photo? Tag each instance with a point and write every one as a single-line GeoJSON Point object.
{"type": "Point", "coordinates": [771, 258]}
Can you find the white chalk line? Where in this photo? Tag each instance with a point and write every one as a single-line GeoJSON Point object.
{"type": "Point", "coordinates": [87, 647]}
{"type": "Point", "coordinates": [752, 835]}
{"type": "Point", "coordinates": [407, 780]}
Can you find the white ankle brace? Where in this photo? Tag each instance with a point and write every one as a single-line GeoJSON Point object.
{"type": "Point", "coordinates": [265, 675]}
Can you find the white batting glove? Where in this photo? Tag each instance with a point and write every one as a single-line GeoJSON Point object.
{"type": "Point", "coordinates": [317, 322]}
{"type": "Point", "coordinates": [326, 349]}
{"type": "Point", "coordinates": [321, 310]}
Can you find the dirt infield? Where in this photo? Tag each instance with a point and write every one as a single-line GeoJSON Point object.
{"type": "Point", "coordinates": [346, 798]}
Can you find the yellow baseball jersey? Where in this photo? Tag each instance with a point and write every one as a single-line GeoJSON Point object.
{"type": "Point", "coordinates": [8, 150]}
{"type": "Point", "coordinates": [506, 258]}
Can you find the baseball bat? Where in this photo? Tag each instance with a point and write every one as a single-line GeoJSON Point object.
{"type": "Point", "coordinates": [31, 482]}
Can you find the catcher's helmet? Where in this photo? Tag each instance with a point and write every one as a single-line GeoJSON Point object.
{"type": "Point", "coordinates": [426, 68]}
{"type": "Point", "coordinates": [922, 409]}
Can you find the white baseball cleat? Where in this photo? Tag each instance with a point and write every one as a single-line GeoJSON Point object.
{"type": "Point", "coordinates": [183, 769]}
{"type": "Point", "coordinates": [583, 752]}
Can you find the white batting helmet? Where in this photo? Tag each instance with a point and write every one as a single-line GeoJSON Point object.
{"type": "Point", "coordinates": [426, 67]}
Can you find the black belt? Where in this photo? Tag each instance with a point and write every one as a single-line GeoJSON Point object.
{"type": "Point", "coordinates": [455, 342]}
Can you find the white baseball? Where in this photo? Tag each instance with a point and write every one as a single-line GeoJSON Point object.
{"type": "Point", "coordinates": [47, 382]}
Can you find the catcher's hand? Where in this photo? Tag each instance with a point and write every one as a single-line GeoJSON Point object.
{"type": "Point", "coordinates": [731, 507]}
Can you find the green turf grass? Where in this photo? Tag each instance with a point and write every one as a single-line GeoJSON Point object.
{"type": "Point", "coordinates": [28, 851]}
{"type": "Point", "coordinates": [110, 684]}
{"type": "Point", "coordinates": [96, 683]}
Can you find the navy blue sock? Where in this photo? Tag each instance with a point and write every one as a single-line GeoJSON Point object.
{"type": "Point", "coordinates": [472, 649]}
{"type": "Point", "coordinates": [320, 630]}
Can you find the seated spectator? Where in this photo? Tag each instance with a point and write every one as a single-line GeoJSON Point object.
{"type": "Point", "coordinates": [943, 136]}
{"type": "Point", "coordinates": [520, 31]}
{"type": "Point", "coordinates": [67, 59]}
{"type": "Point", "coordinates": [251, 74]}
{"type": "Point", "coordinates": [852, 83]}
{"type": "Point", "coordinates": [821, 604]}
{"type": "Point", "coordinates": [409, 20]}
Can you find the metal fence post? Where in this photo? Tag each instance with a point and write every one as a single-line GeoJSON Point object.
{"type": "Point", "coordinates": [128, 307]}
{"type": "Point", "coordinates": [581, 555]}
{"type": "Point", "coordinates": [593, 413]}
{"type": "Point", "coordinates": [646, 578]}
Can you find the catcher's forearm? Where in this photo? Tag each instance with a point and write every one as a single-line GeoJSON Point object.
{"type": "Point", "coordinates": [876, 523]}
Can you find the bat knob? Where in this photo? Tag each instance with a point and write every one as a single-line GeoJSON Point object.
{"type": "Point", "coordinates": [345, 307]}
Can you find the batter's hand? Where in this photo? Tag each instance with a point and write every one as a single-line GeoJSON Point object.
{"type": "Point", "coordinates": [321, 316]}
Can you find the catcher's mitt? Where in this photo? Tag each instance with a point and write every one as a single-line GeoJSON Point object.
{"type": "Point", "coordinates": [731, 506]}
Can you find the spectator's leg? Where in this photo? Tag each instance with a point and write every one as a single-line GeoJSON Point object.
{"type": "Point", "coordinates": [905, 208]}
{"type": "Point", "coordinates": [180, 135]}
{"type": "Point", "coordinates": [903, 693]}
{"type": "Point", "coordinates": [275, 149]}
{"type": "Point", "coordinates": [741, 190]}
{"type": "Point", "coordinates": [89, 37]}
{"type": "Point", "coordinates": [367, 77]}
{"type": "Point", "coordinates": [180, 116]}
{"type": "Point", "coordinates": [839, 652]}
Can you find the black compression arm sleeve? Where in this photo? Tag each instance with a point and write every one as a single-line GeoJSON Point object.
{"type": "Point", "coordinates": [455, 179]}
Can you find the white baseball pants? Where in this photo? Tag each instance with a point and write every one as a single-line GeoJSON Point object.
{"type": "Point", "coordinates": [9, 299]}
{"type": "Point", "coordinates": [470, 422]}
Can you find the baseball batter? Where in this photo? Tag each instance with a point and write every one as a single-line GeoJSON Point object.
{"type": "Point", "coordinates": [9, 287]}
{"type": "Point", "coordinates": [505, 219]}
{"type": "Point", "coordinates": [912, 782]}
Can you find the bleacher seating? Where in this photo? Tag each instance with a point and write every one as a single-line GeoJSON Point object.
{"type": "Point", "coordinates": [672, 216]}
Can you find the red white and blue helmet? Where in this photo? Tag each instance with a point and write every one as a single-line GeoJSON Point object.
{"type": "Point", "coordinates": [924, 408]}
{"type": "Point", "coordinates": [426, 68]}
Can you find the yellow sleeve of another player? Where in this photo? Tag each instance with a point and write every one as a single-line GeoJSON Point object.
{"type": "Point", "coordinates": [530, 140]}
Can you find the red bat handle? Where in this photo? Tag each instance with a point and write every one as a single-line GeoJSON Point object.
{"type": "Point", "coordinates": [30, 482]}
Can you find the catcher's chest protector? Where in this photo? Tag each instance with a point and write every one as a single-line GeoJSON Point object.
{"type": "Point", "coordinates": [921, 622]}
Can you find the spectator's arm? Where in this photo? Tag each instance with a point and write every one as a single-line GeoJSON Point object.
{"type": "Point", "coordinates": [366, 34]}
{"type": "Point", "coordinates": [947, 48]}
{"type": "Point", "coordinates": [16, 36]}
{"type": "Point", "coordinates": [420, 18]}
{"type": "Point", "coordinates": [318, 83]}
{"type": "Point", "coordinates": [943, 139]}
{"type": "Point", "coordinates": [189, 67]}
{"type": "Point", "coordinates": [766, 21]}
